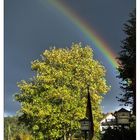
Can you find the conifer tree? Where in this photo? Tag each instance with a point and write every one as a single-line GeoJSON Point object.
{"type": "Point", "coordinates": [127, 67]}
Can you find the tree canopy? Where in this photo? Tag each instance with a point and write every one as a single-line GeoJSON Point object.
{"type": "Point", "coordinates": [127, 58]}
{"type": "Point", "coordinates": [54, 100]}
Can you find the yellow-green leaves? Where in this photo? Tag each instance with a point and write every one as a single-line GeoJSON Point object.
{"type": "Point", "coordinates": [55, 99]}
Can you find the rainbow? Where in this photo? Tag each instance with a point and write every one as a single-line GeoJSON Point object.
{"type": "Point", "coordinates": [87, 30]}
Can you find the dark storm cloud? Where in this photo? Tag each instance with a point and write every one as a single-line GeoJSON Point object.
{"type": "Point", "coordinates": [106, 16]}
{"type": "Point", "coordinates": [31, 27]}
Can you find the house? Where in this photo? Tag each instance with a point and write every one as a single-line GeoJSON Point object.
{"type": "Point", "coordinates": [118, 119]}
{"type": "Point", "coordinates": [122, 116]}
{"type": "Point", "coordinates": [108, 121]}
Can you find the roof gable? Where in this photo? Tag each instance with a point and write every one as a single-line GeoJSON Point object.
{"type": "Point", "coordinates": [109, 115]}
{"type": "Point", "coordinates": [123, 110]}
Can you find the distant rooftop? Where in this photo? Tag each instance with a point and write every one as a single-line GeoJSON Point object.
{"type": "Point", "coordinates": [123, 110]}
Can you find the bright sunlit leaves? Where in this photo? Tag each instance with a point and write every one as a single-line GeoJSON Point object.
{"type": "Point", "coordinates": [54, 100]}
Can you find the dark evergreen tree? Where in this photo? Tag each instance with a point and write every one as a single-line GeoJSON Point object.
{"type": "Point", "coordinates": [127, 61]}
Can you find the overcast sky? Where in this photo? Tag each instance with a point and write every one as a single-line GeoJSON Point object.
{"type": "Point", "coordinates": [31, 26]}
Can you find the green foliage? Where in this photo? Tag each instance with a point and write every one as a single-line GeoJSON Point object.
{"type": "Point", "coordinates": [14, 131]}
{"type": "Point", "coordinates": [54, 100]}
{"type": "Point", "coordinates": [127, 58]}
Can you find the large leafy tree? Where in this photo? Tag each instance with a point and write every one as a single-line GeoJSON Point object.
{"type": "Point", "coordinates": [127, 58]}
{"type": "Point", "coordinates": [54, 100]}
